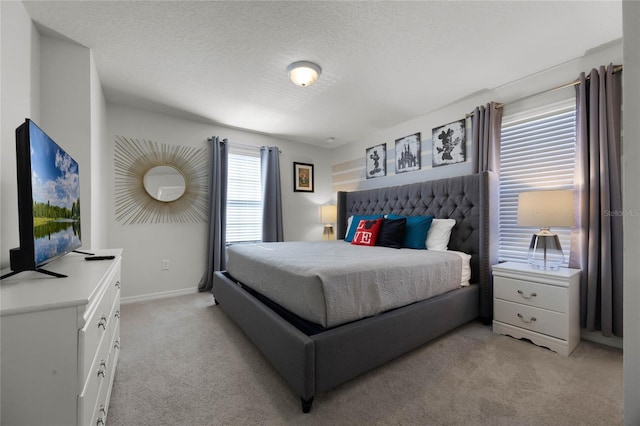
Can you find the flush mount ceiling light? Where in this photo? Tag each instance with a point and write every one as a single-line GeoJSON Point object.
{"type": "Point", "coordinates": [303, 73]}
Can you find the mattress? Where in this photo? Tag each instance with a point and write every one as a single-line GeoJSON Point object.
{"type": "Point", "coordinates": [333, 282]}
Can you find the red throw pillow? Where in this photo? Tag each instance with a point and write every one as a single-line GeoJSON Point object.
{"type": "Point", "coordinates": [367, 232]}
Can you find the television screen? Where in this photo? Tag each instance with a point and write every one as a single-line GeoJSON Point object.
{"type": "Point", "coordinates": [48, 201]}
{"type": "Point", "coordinates": [55, 193]}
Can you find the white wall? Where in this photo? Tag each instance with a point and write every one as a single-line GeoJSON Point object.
{"type": "Point", "coordinates": [184, 244]}
{"type": "Point", "coordinates": [631, 203]}
{"type": "Point", "coordinates": [99, 149]}
{"type": "Point", "coordinates": [65, 107]}
{"type": "Point", "coordinates": [20, 98]}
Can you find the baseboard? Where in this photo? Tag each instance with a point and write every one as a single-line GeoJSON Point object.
{"type": "Point", "coordinates": [160, 295]}
{"type": "Point", "coordinates": [597, 337]}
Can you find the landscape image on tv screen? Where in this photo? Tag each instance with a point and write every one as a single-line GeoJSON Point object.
{"type": "Point", "coordinates": [56, 197]}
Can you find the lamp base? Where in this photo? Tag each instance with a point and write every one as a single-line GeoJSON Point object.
{"type": "Point", "coordinates": [545, 251]}
{"type": "Point", "coordinates": [328, 232]}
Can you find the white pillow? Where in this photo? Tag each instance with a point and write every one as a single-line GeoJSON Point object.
{"type": "Point", "coordinates": [439, 233]}
{"type": "Point", "coordinates": [466, 267]}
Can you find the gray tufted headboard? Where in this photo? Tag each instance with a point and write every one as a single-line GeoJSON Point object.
{"type": "Point", "coordinates": [471, 200]}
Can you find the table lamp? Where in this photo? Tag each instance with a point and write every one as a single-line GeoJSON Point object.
{"type": "Point", "coordinates": [545, 209]}
{"type": "Point", "coordinates": [328, 216]}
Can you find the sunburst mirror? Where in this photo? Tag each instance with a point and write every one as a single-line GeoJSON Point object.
{"type": "Point", "coordinates": [159, 183]}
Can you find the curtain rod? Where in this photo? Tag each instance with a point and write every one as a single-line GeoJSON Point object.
{"type": "Point", "coordinates": [616, 68]}
{"type": "Point", "coordinates": [239, 145]}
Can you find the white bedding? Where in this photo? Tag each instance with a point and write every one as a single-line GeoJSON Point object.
{"type": "Point", "coordinates": [334, 282]}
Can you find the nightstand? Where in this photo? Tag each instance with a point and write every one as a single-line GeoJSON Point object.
{"type": "Point", "coordinates": [542, 306]}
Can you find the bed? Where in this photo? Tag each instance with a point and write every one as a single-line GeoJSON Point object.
{"type": "Point", "coordinates": [314, 360]}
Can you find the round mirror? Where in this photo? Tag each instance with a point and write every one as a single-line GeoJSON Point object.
{"type": "Point", "coordinates": [164, 183]}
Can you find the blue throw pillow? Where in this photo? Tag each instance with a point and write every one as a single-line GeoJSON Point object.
{"type": "Point", "coordinates": [354, 225]}
{"type": "Point", "coordinates": [416, 230]}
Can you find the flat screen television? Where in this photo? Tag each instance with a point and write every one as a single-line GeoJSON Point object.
{"type": "Point", "coordinates": [48, 201]}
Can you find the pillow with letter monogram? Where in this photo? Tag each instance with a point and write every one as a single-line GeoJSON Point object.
{"type": "Point", "coordinates": [353, 222]}
{"type": "Point", "coordinates": [367, 232]}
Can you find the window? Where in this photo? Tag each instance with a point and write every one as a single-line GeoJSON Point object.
{"type": "Point", "coordinates": [537, 152]}
{"type": "Point", "coordinates": [244, 196]}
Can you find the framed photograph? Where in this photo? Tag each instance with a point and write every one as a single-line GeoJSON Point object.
{"type": "Point", "coordinates": [408, 153]}
{"type": "Point", "coordinates": [449, 143]}
{"type": "Point", "coordinates": [302, 177]}
{"type": "Point", "coordinates": [376, 160]}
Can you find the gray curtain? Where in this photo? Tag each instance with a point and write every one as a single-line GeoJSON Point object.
{"type": "Point", "coordinates": [486, 127]}
{"type": "Point", "coordinates": [216, 238]}
{"type": "Point", "coordinates": [271, 194]}
{"type": "Point", "coordinates": [596, 243]}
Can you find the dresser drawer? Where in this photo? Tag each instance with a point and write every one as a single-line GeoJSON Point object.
{"type": "Point", "coordinates": [90, 335]}
{"type": "Point", "coordinates": [544, 296]}
{"type": "Point", "coordinates": [531, 318]}
{"type": "Point", "coordinates": [97, 380]}
{"type": "Point", "coordinates": [98, 325]}
{"type": "Point", "coordinates": [114, 319]}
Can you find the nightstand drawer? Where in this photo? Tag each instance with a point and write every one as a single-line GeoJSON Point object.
{"type": "Point", "coordinates": [539, 320]}
{"type": "Point", "coordinates": [544, 296]}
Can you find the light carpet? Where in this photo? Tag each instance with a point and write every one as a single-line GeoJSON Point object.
{"type": "Point", "coordinates": [184, 362]}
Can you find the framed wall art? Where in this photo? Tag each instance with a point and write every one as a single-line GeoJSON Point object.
{"type": "Point", "coordinates": [376, 161]}
{"type": "Point", "coordinates": [302, 177]}
{"type": "Point", "coordinates": [449, 143]}
{"type": "Point", "coordinates": [408, 153]}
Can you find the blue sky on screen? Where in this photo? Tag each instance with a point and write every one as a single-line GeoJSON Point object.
{"type": "Point", "coordinates": [54, 174]}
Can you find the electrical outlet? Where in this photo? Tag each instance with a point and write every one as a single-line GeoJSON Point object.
{"type": "Point", "coordinates": [165, 264]}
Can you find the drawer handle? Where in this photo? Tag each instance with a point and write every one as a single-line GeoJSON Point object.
{"type": "Point", "coordinates": [533, 319]}
{"type": "Point", "coordinates": [117, 314]}
{"type": "Point", "coordinates": [103, 417]}
{"type": "Point", "coordinates": [103, 322]}
{"type": "Point", "coordinates": [103, 368]}
{"type": "Point", "coordinates": [526, 297]}
{"type": "Point", "coordinates": [117, 284]}
{"type": "Point", "coordinates": [116, 344]}
{"type": "Point", "coordinates": [102, 372]}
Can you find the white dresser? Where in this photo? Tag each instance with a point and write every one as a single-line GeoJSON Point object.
{"type": "Point", "coordinates": [60, 340]}
{"type": "Point", "coordinates": [542, 306]}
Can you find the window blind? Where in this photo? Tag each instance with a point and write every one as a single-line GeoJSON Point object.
{"type": "Point", "coordinates": [537, 152]}
{"type": "Point", "coordinates": [244, 196]}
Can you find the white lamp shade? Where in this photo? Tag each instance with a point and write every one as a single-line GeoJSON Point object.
{"type": "Point", "coordinates": [303, 73]}
{"type": "Point", "coordinates": [328, 214]}
{"type": "Point", "coordinates": [545, 209]}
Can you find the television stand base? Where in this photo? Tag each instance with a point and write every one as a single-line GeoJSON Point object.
{"type": "Point", "coordinates": [42, 271]}
{"type": "Point", "coordinates": [83, 252]}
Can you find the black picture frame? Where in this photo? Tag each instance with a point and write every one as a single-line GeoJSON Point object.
{"type": "Point", "coordinates": [303, 179]}
{"type": "Point", "coordinates": [376, 161]}
{"type": "Point", "coordinates": [449, 143]}
{"type": "Point", "coordinates": [408, 153]}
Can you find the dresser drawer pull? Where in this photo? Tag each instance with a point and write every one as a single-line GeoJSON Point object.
{"type": "Point", "coordinates": [103, 368]}
{"type": "Point", "coordinates": [526, 297]}
{"type": "Point", "coordinates": [103, 417]}
{"type": "Point", "coordinates": [116, 344]}
{"type": "Point", "coordinates": [117, 284]}
{"type": "Point", "coordinates": [117, 314]}
{"type": "Point", "coordinates": [533, 319]}
{"type": "Point", "coordinates": [103, 322]}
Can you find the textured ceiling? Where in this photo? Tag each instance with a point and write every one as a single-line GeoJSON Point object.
{"type": "Point", "coordinates": [383, 62]}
